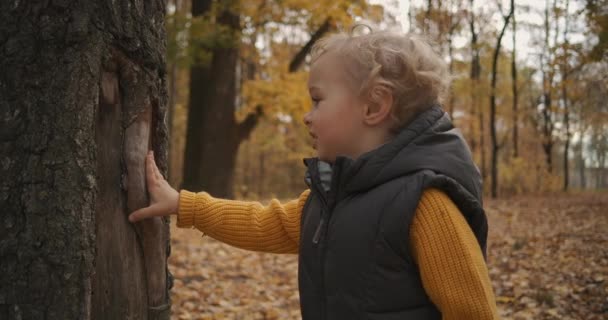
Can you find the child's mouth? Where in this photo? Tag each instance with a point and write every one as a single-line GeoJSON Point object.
{"type": "Point", "coordinates": [314, 140]}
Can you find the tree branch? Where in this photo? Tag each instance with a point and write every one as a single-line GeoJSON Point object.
{"type": "Point", "coordinates": [298, 59]}
{"type": "Point", "coordinates": [247, 125]}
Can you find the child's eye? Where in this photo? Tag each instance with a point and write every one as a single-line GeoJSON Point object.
{"type": "Point", "coordinates": [315, 101]}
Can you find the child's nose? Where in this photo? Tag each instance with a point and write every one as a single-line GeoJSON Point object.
{"type": "Point", "coordinates": [307, 120]}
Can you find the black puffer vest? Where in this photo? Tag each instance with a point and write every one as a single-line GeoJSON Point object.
{"type": "Point", "coordinates": [354, 257]}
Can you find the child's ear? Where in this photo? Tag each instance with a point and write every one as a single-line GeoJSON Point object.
{"type": "Point", "coordinates": [379, 105]}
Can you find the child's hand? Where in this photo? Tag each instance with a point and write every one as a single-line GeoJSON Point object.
{"type": "Point", "coordinates": [164, 200]}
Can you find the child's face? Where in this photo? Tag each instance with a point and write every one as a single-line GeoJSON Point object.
{"type": "Point", "coordinates": [335, 121]}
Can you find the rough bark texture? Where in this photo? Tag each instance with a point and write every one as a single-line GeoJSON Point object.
{"type": "Point", "coordinates": [82, 99]}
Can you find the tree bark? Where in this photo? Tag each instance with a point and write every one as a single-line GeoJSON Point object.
{"type": "Point", "coordinates": [82, 100]}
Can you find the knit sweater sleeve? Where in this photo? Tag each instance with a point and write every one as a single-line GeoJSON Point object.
{"type": "Point", "coordinates": [247, 225]}
{"type": "Point", "coordinates": [454, 273]}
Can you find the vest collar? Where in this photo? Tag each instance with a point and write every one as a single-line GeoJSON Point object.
{"type": "Point", "coordinates": [395, 158]}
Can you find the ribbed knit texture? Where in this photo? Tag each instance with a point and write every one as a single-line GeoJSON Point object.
{"type": "Point", "coordinates": [248, 225]}
{"type": "Point", "coordinates": [453, 271]}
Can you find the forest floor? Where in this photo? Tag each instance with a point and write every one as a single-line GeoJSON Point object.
{"type": "Point", "coordinates": [547, 257]}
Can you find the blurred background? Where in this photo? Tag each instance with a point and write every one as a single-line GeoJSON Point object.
{"type": "Point", "coordinates": [528, 91]}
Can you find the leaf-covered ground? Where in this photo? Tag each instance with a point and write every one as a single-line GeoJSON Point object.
{"type": "Point", "coordinates": [548, 259]}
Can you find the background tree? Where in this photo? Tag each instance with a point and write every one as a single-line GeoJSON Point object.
{"type": "Point", "coordinates": [495, 144]}
{"type": "Point", "coordinates": [216, 97]}
{"type": "Point", "coordinates": [213, 134]}
{"type": "Point", "coordinates": [514, 86]}
{"type": "Point", "coordinates": [272, 65]}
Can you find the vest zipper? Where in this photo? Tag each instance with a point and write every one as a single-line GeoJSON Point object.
{"type": "Point", "coordinates": [324, 212]}
{"type": "Point", "coordinates": [323, 227]}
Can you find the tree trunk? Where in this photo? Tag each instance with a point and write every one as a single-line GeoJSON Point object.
{"type": "Point", "coordinates": [547, 133]}
{"type": "Point", "coordinates": [495, 145]}
{"type": "Point", "coordinates": [548, 74]}
{"type": "Point", "coordinates": [565, 75]}
{"type": "Point", "coordinates": [451, 68]}
{"type": "Point", "coordinates": [474, 76]}
{"type": "Point", "coordinates": [567, 128]}
{"type": "Point", "coordinates": [172, 76]}
{"type": "Point", "coordinates": [602, 171]}
{"type": "Point", "coordinates": [213, 134]}
{"type": "Point", "coordinates": [581, 162]}
{"type": "Point", "coordinates": [82, 100]}
{"type": "Point", "coordinates": [515, 91]}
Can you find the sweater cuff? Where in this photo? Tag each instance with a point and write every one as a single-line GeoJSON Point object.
{"type": "Point", "coordinates": [186, 209]}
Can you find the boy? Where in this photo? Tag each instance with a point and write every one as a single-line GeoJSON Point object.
{"type": "Point", "coordinates": [392, 225]}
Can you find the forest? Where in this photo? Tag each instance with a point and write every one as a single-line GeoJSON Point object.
{"type": "Point", "coordinates": [218, 90]}
{"type": "Point", "coordinates": [528, 93]}
{"type": "Point", "coordinates": [534, 118]}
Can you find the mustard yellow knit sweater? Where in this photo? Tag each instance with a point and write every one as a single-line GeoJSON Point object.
{"type": "Point", "coordinates": [453, 271]}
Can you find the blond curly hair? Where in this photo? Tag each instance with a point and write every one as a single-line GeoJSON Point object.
{"type": "Point", "coordinates": [403, 64]}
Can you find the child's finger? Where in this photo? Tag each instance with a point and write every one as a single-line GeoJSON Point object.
{"type": "Point", "coordinates": [144, 213]}
{"type": "Point", "coordinates": [150, 173]}
{"type": "Point", "coordinates": [156, 171]}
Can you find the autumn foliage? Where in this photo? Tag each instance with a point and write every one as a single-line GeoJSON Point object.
{"type": "Point", "coordinates": [534, 112]}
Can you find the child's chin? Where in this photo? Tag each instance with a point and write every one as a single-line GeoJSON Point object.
{"type": "Point", "coordinates": [325, 158]}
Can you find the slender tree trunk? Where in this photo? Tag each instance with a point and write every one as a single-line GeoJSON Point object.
{"type": "Point", "coordinates": [82, 100]}
{"type": "Point", "coordinates": [427, 17]}
{"type": "Point", "coordinates": [598, 175]}
{"type": "Point", "coordinates": [515, 91]}
{"type": "Point", "coordinates": [482, 142]}
{"type": "Point", "coordinates": [581, 161]}
{"type": "Point", "coordinates": [567, 144]}
{"type": "Point", "coordinates": [474, 76]}
{"type": "Point", "coordinates": [453, 25]}
{"type": "Point", "coordinates": [200, 92]}
{"type": "Point", "coordinates": [601, 171]}
{"type": "Point", "coordinates": [600, 146]}
{"type": "Point", "coordinates": [548, 134]}
{"type": "Point", "coordinates": [565, 75]}
{"type": "Point", "coordinates": [548, 74]}
{"type": "Point", "coordinates": [451, 68]}
{"type": "Point", "coordinates": [410, 17]}
{"type": "Point", "coordinates": [495, 145]}
{"type": "Point", "coordinates": [173, 75]}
